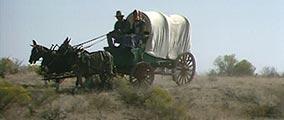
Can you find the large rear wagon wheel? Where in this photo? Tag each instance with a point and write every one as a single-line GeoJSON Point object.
{"type": "Point", "coordinates": [142, 75]}
{"type": "Point", "coordinates": [184, 70]}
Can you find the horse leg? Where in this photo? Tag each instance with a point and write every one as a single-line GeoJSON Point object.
{"type": "Point", "coordinates": [45, 83]}
{"type": "Point", "coordinates": [102, 81]}
{"type": "Point", "coordinates": [89, 82]}
{"type": "Point", "coordinates": [105, 81]}
{"type": "Point", "coordinates": [79, 80]}
{"type": "Point", "coordinates": [57, 82]}
{"type": "Point", "coordinates": [81, 83]}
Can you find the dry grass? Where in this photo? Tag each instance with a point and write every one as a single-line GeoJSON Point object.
{"type": "Point", "coordinates": [205, 98]}
{"type": "Point", "coordinates": [233, 98]}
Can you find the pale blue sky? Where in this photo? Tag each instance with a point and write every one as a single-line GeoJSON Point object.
{"type": "Point", "coordinates": [251, 29]}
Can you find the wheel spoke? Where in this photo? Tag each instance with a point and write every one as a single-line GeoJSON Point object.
{"type": "Point", "coordinates": [189, 62]}
{"type": "Point", "coordinates": [144, 74]}
{"type": "Point", "coordinates": [183, 79]}
{"type": "Point", "coordinates": [187, 57]}
{"type": "Point", "coordinates": [189, 73]}
{"type": "Point", "coordinates": [179, 68]}
{"type": "Point", "coordinates": [180, 79]}
{"type": "Point", "coordinates": [187, 79]}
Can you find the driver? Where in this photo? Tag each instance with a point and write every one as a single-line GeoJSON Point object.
{"type": "Point", "coordinates": [121, 28]}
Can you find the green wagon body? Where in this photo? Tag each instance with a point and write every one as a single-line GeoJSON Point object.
{"type": "Point", "coordinates": [125, 59]}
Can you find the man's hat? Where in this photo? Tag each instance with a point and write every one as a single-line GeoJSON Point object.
{"type": "Point", "coordinates": [119, 14]}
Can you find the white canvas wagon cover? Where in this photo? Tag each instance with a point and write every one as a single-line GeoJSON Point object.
{"type": "Point", "coordinates": [169, 35]}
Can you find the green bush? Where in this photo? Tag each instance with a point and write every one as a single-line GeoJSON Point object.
{"type": "Point", "coordinates": [157, 100]}
{"type": "Point", "coordinates": [163, 106]}
{"type": "Point", "coordinates": [128, 93]}
{"type": "Point", "coordinates": [12, 94]}
{"type": "Point", "coordinates": [244, 68]}
{"type": "Point", "coordinates": [228, 65]}
{"type": "Point", "coordinates": [36, 69]}
{"type": "Point", "coordinates": [225, 64]}
{"type": "Point", "coordinates": [9, 66]}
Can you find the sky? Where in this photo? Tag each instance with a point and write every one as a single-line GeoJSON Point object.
{"type": "Point", "coordinates": [250, 29]}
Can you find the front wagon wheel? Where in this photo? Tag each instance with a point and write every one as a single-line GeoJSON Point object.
{"type": "Point", "coordinates": [184, 68]}
{"type": "Point", "coordinates": [142, 75]}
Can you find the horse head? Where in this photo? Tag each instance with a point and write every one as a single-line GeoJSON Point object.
{"type": "Point", "coordinates": [65, 47]}
{"type": "Point", "coordinates": [37, 52]}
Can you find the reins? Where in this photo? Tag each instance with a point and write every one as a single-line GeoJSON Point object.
{"type": "Point", "coordinates": [96, 42]}
{"type": "Point", "coordinates": [81, 44]}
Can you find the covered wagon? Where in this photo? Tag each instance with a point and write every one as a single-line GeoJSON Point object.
{"type": "Point", "coordinates": [165, 50]}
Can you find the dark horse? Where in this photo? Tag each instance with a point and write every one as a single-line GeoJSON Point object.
{"type": "Point", "coordinates": [87, 63]}
{"type": "Point", "coordinates": [77, 61]}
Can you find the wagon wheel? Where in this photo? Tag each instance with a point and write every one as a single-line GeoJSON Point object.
{"type": "Point", "coordinates": [184, 68]}
{"type": "Point", "coordinates": [143, 75]}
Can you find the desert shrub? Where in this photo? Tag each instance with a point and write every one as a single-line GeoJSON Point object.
{"type": "Point", "coordinates": [177, 111]}
{"type": "Point", "coordinates": [12, 94]}
{"type": "Point", "coordinates": [212, 72]}
{"type": "Point", "coordinates": [9, 66]}
{"type": "Point", "coordinates": [163, 105]}
{"type": "Point", "coordinates": [1, 73]}
{"type": "Point", "coordinates": [128, 93]}
{"type": "Point", "coordinates": [53, 114]}
{"type": "Point", "coordinates": [158, 99]}
{"type": "Point", "coordinates": [264, 110]}
{"type": "Point", "coordinates": [155, 99]}
{"type": "Point", "coordinates": [244, 68]}
{"type": "Point", "coordinates": [225, 64]}
{"type": "Point", "coordinates": [36, 69]}
{"type": "Point", "coordinates": [39, 97]}
{"type": "Point", "coordinates": [102, 101]}
{"type": "Point", "coordinates": [228, 65]}
{"type": "Point", "coordinates": [269, 72]}
{"type": "Point", "coordinates": [212, 75]}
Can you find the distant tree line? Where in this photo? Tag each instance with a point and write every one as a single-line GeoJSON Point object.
{"type": "Point", "coordinates": [270, 72]}
{"type": "Point", "coordinates": [229, 65]}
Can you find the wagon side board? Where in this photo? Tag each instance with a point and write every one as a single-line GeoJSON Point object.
{"type": "Point", "coordinates": [123, 59]}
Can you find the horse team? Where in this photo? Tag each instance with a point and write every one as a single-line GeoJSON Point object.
{"type": "Point", "coordinates": [73, 60]}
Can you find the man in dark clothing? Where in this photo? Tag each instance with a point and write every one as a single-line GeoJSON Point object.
{"type": "Point", "coordinates": [121, 28]}
{"type": "Point", "coordinates": [138, 24]}
{"type": "Point", "coordinates": [138, 28]}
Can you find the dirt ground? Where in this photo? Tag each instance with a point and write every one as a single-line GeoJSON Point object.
{"type": "Point", "coordinates": [205, 98]}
